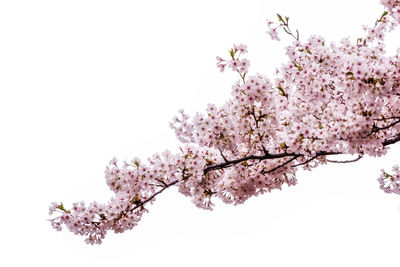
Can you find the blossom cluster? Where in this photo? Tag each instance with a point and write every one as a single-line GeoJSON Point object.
{"type": "Point", "coordinates": [235, 63]}
{"type": "Point", "coordinates": [136, 184]}
{"type": "Point", "coordinates": [328, 99]}
{"type": "Point", "coordinates": [390, 183]}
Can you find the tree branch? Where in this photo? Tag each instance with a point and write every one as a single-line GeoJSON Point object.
{"type": "Point", "coordinates": [391, 141]}
{"type": "Point", "coordinates": [153, 196]}
{"type": "Point", "coordinates": [281, 165]}
{"type": "Point", "coordinates": [345, 161]}
{"type": "Point", "coordinates": [377, 129]}
{"type": "Point", "coordinates": [230, 163]}
{"type": "Point", "coordinates": [305, 162]}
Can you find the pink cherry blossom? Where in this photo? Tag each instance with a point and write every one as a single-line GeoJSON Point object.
{"type": "Point", "coordinates": [241, 47]}
{"type": "Point", "coordinates": [327, 99]}
{"type": "Point", "coordinates": [390, 183]}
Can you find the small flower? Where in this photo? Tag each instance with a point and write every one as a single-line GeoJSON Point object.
{"type": "Point", "coordinates": [242, 48]}
{"type": "Point", "coordinates": [52, 207]}
{"type": "Point", "coordinates": [113, 161]}
{"type": "Point", "coordinates": [244, 65]}
{"type": "Point", "coordinates": [234, 64]}
{"type": "Point", "coordinates": [273, 33]}
{"type": "Point", "coordinates": [221, 67]}
{"type": "Point", "coordinates": [56, 225]}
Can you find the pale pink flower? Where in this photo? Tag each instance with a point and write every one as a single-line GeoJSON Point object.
{"type": "Point", "coordinates": [241, 47]}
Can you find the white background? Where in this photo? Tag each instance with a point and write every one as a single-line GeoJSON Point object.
{"type": "Point", "coordinates": [83, 81]}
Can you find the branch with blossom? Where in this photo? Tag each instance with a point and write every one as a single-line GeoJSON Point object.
{"type": "Point", "coordinates": [283, 23]}
{"type": "Point", "coordinates": [336, 99]}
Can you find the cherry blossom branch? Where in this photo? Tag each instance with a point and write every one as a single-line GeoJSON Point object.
{"type": "Point", "coordinates": [230, 163]}
{"type": "Point", "coordinates": [391, 141]}
{"type": "Point", "coordinates": [306, 162]}
{"type": "Point", "coordinates": [377, 129]}
{"type": "Point", "coordinates": [323, 102]}
{"type": "Point", "coordinates": [284, 24]}
{"type": "Point", "coordinates": [346, 161]}
{"type": "Point", "coordinates": [281, 165]}
{"type": "Point", "coordinates": [286, 28]}
{"type": "Point", "coordinates": [154, 195]}
{"type": "Point", "coordinates": [387, 118]}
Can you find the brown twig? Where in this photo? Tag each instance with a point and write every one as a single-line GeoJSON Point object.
{"type": "Point", "coordinates": [346, 161]}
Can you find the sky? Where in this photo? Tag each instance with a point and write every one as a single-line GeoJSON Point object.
{"type": "Point", "coordinates": [84, 81]}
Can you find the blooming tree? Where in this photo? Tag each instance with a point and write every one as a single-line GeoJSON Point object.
{"type": "Point", "coordinates": [328, 99]}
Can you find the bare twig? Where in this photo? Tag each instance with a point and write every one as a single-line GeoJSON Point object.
{"type": "Point", "coordinates": [222, 155]}
{"type": "Point", "coordinates": [153, 196]}
{"type": "Point", "coordinates": [305, 162]}
{"type": "Point", "coordinates": [345, 161]}
{"type": "Point", "coordinates": [281, 165]}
